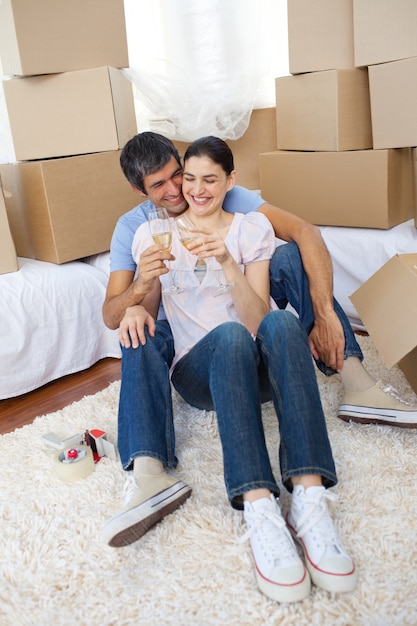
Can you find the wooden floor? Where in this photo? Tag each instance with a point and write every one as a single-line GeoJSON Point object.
{"type": "Point", "coordinates": [16, 412]}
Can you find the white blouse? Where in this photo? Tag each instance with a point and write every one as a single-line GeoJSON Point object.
{"type": "Point", "coordinates": [196, 311]}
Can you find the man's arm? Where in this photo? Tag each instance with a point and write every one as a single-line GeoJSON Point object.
{"type": "Point", "coordinates": [124, 293]}
{"type": "Point", "coordinates": [326, 338]}
{"type": "Point", "coordinates": [132, 326]}
{"type": "Point", "coordinates": [121, 293]}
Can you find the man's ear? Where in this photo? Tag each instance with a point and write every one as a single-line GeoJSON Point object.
{"type": "Point", "coordinates": [141, 193]}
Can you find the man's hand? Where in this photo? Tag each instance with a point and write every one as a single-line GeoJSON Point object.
{"type": "Point", "coordinates": [327, 342]}
{"type": "Point", "coordinates": [124, 292]}
{"type": "Point", "coordinates": [151, 266]}
{"type": "Point", "coordinates": [132, 326]}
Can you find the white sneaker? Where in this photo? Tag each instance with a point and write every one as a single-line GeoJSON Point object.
{"type": "Point", "coordinates": [280, 573]}
{"type": "Point", "coordinates": [330, 567]}
{"type": "Point", "coordinates": [145, 506]}
{"type": "Point", "coordinates": [380, 404]}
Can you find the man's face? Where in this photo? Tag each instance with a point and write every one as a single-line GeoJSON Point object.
{"type": "Point", "coordinates": [164, 188]}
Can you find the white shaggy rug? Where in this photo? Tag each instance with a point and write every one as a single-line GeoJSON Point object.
{"type": "Point", "coordinates": [189, 570]}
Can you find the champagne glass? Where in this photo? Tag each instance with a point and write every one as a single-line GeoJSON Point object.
{"type": "Point", "coordinates": [161, 231]}
{"type": "Point", "coordinates": [186, 235]}
{"type": "Point", "coordinates": [184, 226]}
{"type": "Point", "coordinates": [223, 286]}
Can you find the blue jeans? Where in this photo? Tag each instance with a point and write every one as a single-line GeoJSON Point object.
{"type": "Point", "coordinates": [229, 372]}
{"type": "Point", "coordinates": [145, 425]}
{"type": "Point", "coordinates": [289, 284]}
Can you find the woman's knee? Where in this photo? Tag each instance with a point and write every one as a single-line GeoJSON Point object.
{"type": "Point", "coordinates": [233, 335]}
{"type": "Point", "coordinates": [280, 324]}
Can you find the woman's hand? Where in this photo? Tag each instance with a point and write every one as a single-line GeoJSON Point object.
{"type": "Point", "coordinates": [209, 243]}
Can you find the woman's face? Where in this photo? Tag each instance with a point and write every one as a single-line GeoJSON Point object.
{"type": "Point", "coordinates": [205, 185]}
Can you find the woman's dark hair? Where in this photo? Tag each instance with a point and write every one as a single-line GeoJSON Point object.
{"type": "Point", "coordinates": [144, 154]}
{"type": "Point", "coordinates": [215, 149]}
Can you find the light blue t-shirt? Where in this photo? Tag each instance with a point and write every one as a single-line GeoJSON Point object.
{"type": "Point", "coordinates": [237, 200]}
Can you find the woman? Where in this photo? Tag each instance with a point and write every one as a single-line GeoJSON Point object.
{"type": "Point", "coordinates": [231, 353]}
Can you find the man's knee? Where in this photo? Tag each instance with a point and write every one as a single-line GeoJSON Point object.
{"type": "Point", "coordinates": [161, 343]}
{"type": "Point", "coordinates": [286, 255]}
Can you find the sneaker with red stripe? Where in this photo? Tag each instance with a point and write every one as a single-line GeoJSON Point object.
{"type": "Point", "coordinates": [330, 566]}
{"type": "Point", "coordinates": [280, 573]}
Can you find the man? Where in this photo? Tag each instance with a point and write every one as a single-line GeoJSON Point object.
{"type": "Point", "coordinates": [300, 273]}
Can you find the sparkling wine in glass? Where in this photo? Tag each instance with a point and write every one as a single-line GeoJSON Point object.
{"type": "Point", "coordinates": [186, 235]}
{"type": "Point", "coordinates": [184, 226]}
{"type": "Point", "coordinates": [161, 231]}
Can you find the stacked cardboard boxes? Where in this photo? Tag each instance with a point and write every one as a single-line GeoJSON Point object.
{"type": "Point", "coordinates": [385, 35]}
{"type": "Point", "coordinates": [71, 110]}
{"type": "Point", "coordinates": [326, 168]}
{"type": "Point", "coordinates": [8, 259]}
{"type": "Point", "coordinates": [346, 133]}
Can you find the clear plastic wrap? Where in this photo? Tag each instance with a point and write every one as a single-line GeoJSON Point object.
{"type": "Point", "coordinates": [206, 68]}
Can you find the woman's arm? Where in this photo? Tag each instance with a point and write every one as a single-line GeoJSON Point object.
{"type": "Point", "coordinates": [250, 290]}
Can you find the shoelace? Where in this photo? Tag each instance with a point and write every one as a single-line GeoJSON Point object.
{"type": "Point", "coordinates": [128, 488]}
{"type": "Point", "coordinates": [393, 392]}
{"type": "Point", "coordinates": [317, 513]}
{"type": "Point", "coordinates": [281, 545]}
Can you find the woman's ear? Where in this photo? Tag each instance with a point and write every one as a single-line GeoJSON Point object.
{"type": "Point", "coordinates": [231, 180]}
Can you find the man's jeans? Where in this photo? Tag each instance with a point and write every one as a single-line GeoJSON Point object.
{"type": "Point", "coordinates": [289, 284]}
{"type": "Point", "coordinates": [145, 425]}
{"type": "Point", "coordinates": [145, 407]}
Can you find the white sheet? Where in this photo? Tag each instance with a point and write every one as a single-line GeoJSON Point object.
{"type": "Point", "coordinates": [51, 324]}
{"type": "Point", "coordinates": [357, 253]}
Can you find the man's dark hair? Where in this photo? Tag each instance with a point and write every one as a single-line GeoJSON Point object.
{"type": "Point", "coordinates": [144, 154]}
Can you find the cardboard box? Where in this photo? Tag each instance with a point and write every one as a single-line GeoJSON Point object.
{"type": "Point", "coordinates": [364, 188]}
{"type": "Point", "coordinates": [320, 35]}
{"type": "Point", "coordinates": [327, 111]}
{"type": "Point", "coordinates": [8, 259]}
{"type": "Point", "coordinates": [387, 304]}
{"type": "Point", "coordinates": [393, 90]}
{"type": "Point", "coordinates": [50, 36]}
{"type": "Point", "coordinates": [414, 158]}
{"type": "Point", "coordinates": [65, 209]}
{"type": "Point", "coordinates": [260, 136]}
{"type": "Point", "coordinates": [384, 30]}
{"type": "Point", "coordinates": [71, 113]}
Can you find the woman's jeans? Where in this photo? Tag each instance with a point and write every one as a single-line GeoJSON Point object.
{"type": "Point", "coordinates": [229, 372]}
{"type": "Point", "coordinates": [145, 408]}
